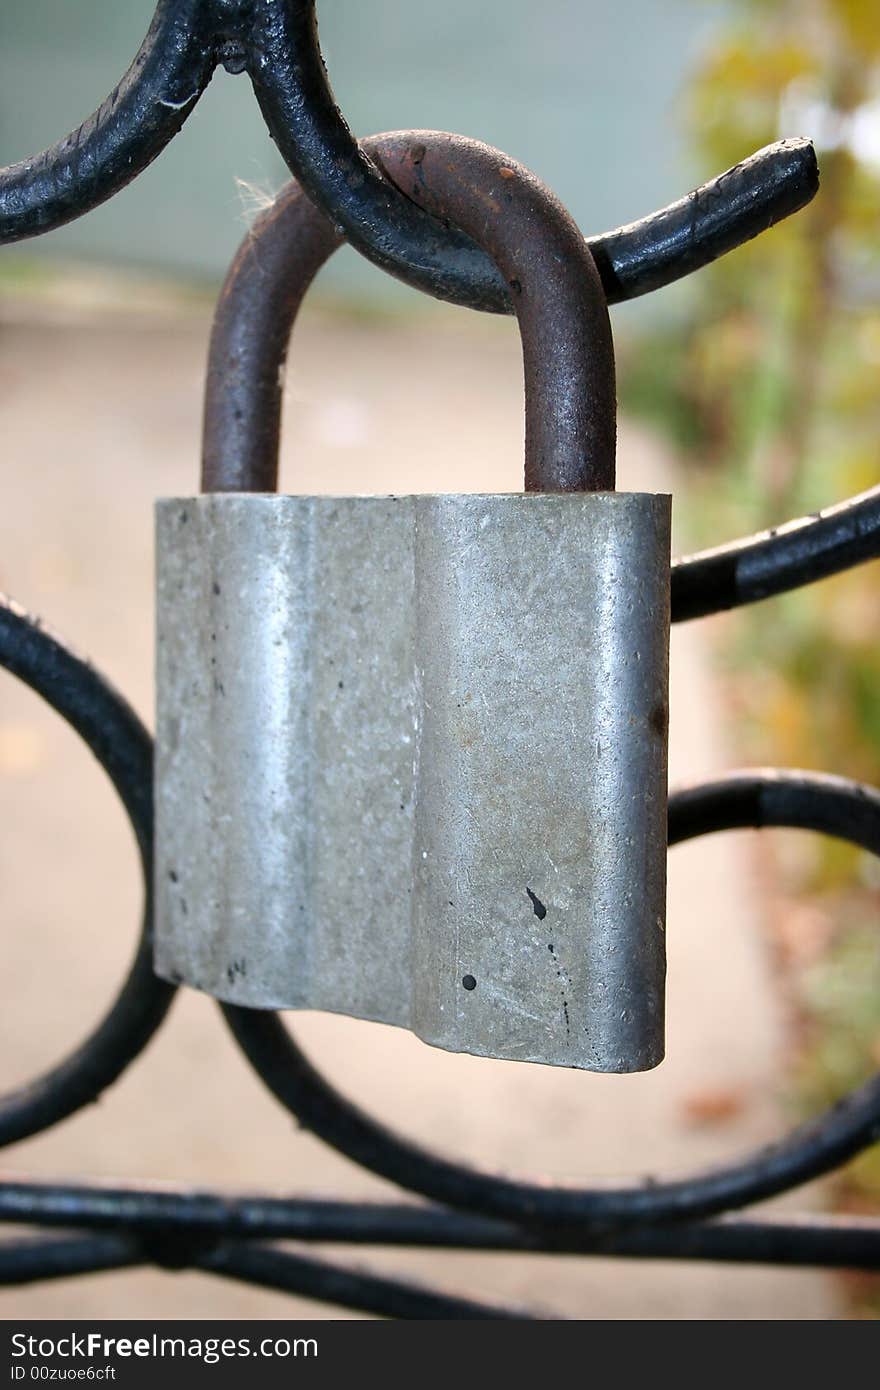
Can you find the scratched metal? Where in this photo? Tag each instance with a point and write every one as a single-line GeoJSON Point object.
{"type": "Point", "coordinates": [411, 764]}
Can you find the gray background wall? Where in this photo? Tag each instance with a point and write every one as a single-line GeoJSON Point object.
{"type": "Point", "coordinates": [587, 92]}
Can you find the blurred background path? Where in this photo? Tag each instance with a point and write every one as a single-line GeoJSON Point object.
{"type": "Point", "coordinates": [100, 413]}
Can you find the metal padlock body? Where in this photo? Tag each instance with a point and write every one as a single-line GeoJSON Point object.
{"type": "Point", "coordinates": [411, 764]}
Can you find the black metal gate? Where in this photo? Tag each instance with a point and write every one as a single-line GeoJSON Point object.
{"type": "Point", "coordinates": [275, 42]}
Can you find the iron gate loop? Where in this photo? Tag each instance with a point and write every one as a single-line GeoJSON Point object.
{"type": "Point", "coordinates": [831, 805]}
{"type": "Point", "coordinates": [112, 731]}
{"type": "Point", "coordinates": [568, 354]}
{"type": "Point", "coordinates": [276, 41]}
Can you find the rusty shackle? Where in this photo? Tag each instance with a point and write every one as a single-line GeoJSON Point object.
{"type": "Point", "coordinates": [568, 354]}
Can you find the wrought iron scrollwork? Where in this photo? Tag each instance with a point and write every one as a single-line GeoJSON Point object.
{"type": "Point", "coordinates": [275, 42]}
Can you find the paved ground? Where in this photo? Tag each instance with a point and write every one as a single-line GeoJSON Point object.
{"type": "Point", "coordinates": [99, 413]}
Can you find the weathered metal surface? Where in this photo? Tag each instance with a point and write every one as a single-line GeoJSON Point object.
{"type": "Point", "coordinates": [412, 764]}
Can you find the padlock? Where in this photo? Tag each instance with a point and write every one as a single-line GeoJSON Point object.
{"type": "Point", "coordinates": [411, 751]}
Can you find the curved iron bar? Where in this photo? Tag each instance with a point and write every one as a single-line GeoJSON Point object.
{"type": "Point", "coordinates": [276, 40]}
{"type": "Point", "coordinates": [121, 744]}
{"type": "Point", "coordinates": [830, 805]}
{"type": "Point", "coordinates": [32, 1260]}
{"type": "Point", "coordinates": [775, 561]}
{"type": "Point", "coordinates": [287, 1272]}
{"type": "Point", "coordinates": [171, 69]}
{"type": "Point", "coordinates": [185, 1218]}
{"type": "Point", "coordinates": [291, 84]}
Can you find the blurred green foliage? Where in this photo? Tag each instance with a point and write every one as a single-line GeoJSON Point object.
{"type": "Point", "coordinates": [769, 389]}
